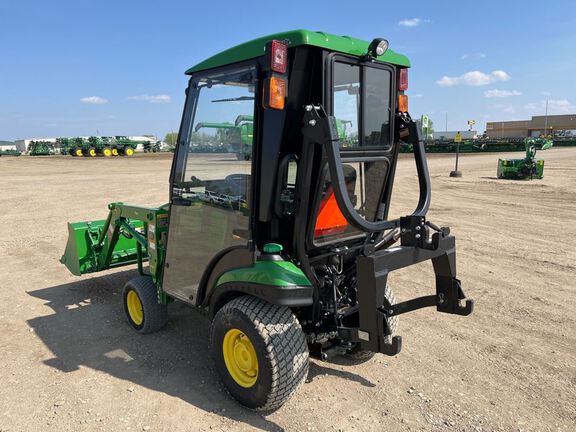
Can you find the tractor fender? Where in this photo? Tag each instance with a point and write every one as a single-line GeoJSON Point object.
{"type": "Point", "coordinates": [280, 283]}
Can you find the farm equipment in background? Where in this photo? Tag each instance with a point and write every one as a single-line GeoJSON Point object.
{"type": "Point", "coordinates": [237, 136]}
{"type": "Point", "coordinates": [287, 251]}
{"type": "Point", "coordinates": [152, 147]}
{"type": "Point", "coordinates": [10, 152]}
{"type": "Point", "coordinates": [481, 145]}
{"type": "Point", "coordinates": [527, 168]}
{"type": "Point", "coordinates": [40, 148]}
{"type": "Point", "coordinates": [99, 146]}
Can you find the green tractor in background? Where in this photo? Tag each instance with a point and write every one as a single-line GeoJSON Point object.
{"type": "Point", "coordinates": [527, 168]}
{"type": "Point", "coordinates": [40, 148]}
{"type": "Point", "coordinates": [123, 146]}
{"type": "Point", "coordinates": [73, 146]}
{"type": "Point", "coordinates": [237, 136]}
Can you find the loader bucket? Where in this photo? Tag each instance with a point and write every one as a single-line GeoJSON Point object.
{"type": "Point", "coordinates": [83, 255]}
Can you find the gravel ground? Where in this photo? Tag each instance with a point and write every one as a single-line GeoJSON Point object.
{"type": "Point", "coordinates": [70, 362]}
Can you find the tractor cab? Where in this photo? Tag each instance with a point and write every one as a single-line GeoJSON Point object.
{"type": "Point", "coordinates": [277, 225]}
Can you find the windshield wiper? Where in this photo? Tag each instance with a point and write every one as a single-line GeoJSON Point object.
{"type": "Point", "coordinates": [241, 98]}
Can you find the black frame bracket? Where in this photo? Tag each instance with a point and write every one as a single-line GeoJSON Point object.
{"type": "Point", "coordinates": [374, 309]}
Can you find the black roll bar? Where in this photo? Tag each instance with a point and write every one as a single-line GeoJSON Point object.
{"type": "Point", "coordinates": [320, 128]}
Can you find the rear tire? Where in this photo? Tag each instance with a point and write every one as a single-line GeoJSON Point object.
{"type": "Point", "coordinates": [143, 312]}
{"type": "Point", "coordinates": [358, 355]}
{"type": "Point", "coordinates": [260, 352]}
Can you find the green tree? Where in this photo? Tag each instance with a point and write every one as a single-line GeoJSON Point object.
{"type": "Point", "coordinates": [171, 138]}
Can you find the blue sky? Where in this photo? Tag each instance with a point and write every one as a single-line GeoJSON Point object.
{"type": "Point", "coordinates": [116, 67]}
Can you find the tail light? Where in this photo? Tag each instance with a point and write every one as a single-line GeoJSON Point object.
{"type": "Point", "coordinates": [402, 103]}
{"type": "Point", "coordinates": [278, 55]}
{"type": "Point", "coordinates": [403, 80]}
{"type": "Point", "coordinates": [274, 92]}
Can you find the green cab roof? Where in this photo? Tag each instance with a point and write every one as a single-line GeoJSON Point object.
{"type": "Point", "coordinates": [255, 48]}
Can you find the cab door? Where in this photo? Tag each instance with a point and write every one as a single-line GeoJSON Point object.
{"type": "Point", "coordinates": [211, 181]}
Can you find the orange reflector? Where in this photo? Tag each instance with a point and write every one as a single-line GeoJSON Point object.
{"type": "Point", "coordinates": [330, 219]}
{"type": "Point", "coordinates": [403, 103]}
{"type": "Point", "coordinates": [274, 92]}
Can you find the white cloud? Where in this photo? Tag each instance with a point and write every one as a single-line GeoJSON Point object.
{"type": "Point", "coordinates": [94, 100]}
{"type": "Point", "coordinates": [559, 106]}
{"type": "Point", "coordinates": [412, 22]}
{"type": "Point", "coordinates": [162, 98]}
{"type": "Point", "coordinates": [474, 78]}
{"type": "Point", "coordinates": [495, 93]}
{"type": "Point", "coordinates": [546, 93]}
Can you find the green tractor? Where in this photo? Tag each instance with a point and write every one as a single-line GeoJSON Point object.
{"type": "Point", "coordinates": [99, 146]}
{"type": "Point", "coordinates": [40, 148]}
{"type": "Point", "coordinates": [77, 146]}
{"type": "Point", "coordinates": [238, 136]}
{"type": "Point", "coordinates": [287, 253]}
{"type": "Point", "coordinates": [527, 168]}
{"type": "Point", "coordinates": [123, 146]}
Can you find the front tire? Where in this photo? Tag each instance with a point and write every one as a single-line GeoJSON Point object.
{"type": "Point", "coordinates": [260, 352]}
{"type": "Point", "coordinates": [143, 312]}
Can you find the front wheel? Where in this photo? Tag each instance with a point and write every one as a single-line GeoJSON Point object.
{"type": "Point", "coordinates": [260, 352]}
{"type": "Point", "coordinates": [141, 306]}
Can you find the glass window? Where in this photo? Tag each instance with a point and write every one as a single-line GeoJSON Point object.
{"type": "Point", "coordinates": [352, 86]}
{"type": "Point", "coordinates": [347, 103]}
{"type": "Point", "coordinates": [377, 107]}
{"type": "Point", "coordinates": [364, 183]}
{"type": "Point", "coordinates": [216, 175]}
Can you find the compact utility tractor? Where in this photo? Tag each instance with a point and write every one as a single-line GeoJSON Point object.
{"type": "Point", "coordinates": [287, 252]}
{"type": "Point", "coordinates": [238, 136]}
{"type": "Point", "coordinates": [527, 168]}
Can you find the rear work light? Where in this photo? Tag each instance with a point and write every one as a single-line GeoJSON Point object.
{"type": "Point", "coordinates": [402, 103]}
{"type": "Point", "coordinates": [278, 55]}
{"type": "Point", "coordinates": [274, 92]}
{"type": "Point", "coordinates": [403, 81]}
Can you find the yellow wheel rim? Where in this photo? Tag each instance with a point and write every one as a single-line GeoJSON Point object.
{"type": "Point", "coordinates": [129, 152]}
{"type": "Point", "coordinates": [240, 358]}
{"type": "Point", "coordinates": [115, 152]}
{"type": "Point", "coordinates": [78, 152]}
{"type": "Point", "coordinates": [92, 152]}
{"type": "Point", "coordinates": [107, 152]}
{"type": "Point", "coordinates": [135, 308]}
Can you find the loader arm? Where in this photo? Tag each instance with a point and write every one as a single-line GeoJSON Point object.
{"type": "Point", "coordinates": [129, 235]}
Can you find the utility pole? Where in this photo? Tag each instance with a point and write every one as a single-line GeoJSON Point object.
{"type": "Point", "coordinates": [446, 126]}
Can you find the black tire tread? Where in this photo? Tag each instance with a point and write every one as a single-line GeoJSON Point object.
{"type": "Point", "coordinates": [285, 344]}
{"type": "Point", "coordinates": [155, 314]}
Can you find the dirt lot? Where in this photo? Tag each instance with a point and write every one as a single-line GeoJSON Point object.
{"type": "Point", "coordinates": [69, 361]}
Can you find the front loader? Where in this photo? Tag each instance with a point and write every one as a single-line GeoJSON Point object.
{"type": "Point", "coordinates": [287, 251]}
